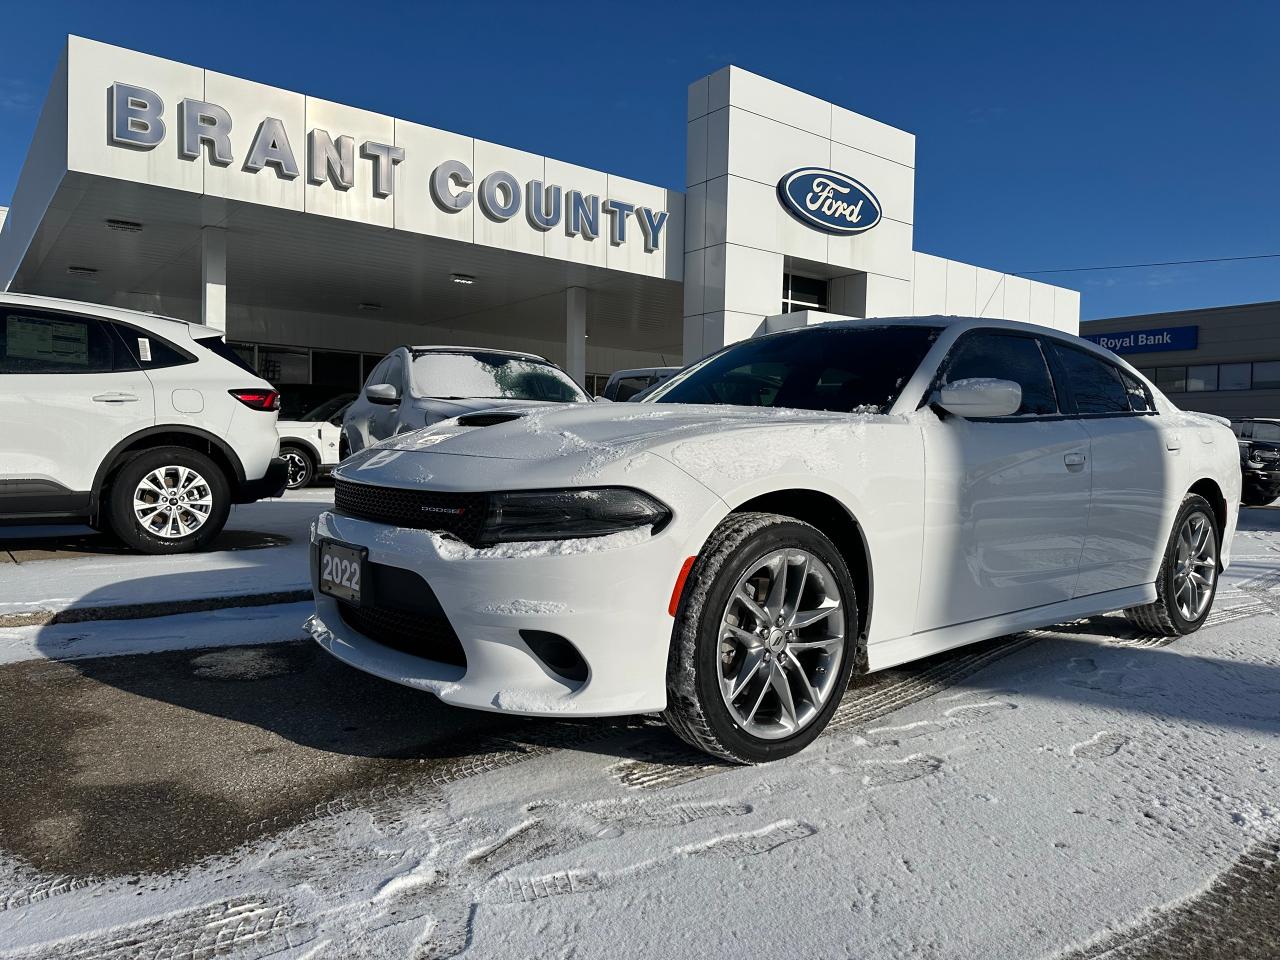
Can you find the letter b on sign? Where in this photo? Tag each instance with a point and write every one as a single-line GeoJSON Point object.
{"type": "Point", "coordinates": [134, 117]}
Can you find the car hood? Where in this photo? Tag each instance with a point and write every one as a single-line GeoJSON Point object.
{"type": "Point", "coordinates": [604, 443]}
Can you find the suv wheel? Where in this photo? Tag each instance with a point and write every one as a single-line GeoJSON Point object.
{"type": "Point", "coordinates": [168, 500]}
{"type": "Point", "coordinates": [302, 468]}
{"type": "Point", "coordinates": [765, 639]}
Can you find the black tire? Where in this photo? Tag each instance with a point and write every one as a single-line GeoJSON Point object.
{"type": "Point", "coordinates": [1163, 618]}
{"type": "Point", "coordinates": [696, 710]}
{"type": "Point", "coordinates": [129, 528]}
{"type": "Point", "coordinates": [301, 464]}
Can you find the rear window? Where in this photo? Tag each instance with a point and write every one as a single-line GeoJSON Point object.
{"type": "Point", "coordinates": [219, 346]}
{"type": "Point", "coordinates": [150, 352]}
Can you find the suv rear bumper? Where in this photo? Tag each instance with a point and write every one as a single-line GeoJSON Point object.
{"type": "Point", "coordinates": [270, 484]}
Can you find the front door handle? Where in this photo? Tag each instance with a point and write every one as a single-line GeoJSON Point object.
{"type": "Point", "coordinates": [1075, 459]}
{"type": "Point", "coordinates": [116, 397]}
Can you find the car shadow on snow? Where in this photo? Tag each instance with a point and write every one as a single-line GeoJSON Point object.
{"type": "Point", "coordinates": [150, 762]}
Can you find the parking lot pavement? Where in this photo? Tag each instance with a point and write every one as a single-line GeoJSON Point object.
{"type": "Point", "coordinates": [1082, 792]}
{"type": "Point", "coordinates": [45, 571]}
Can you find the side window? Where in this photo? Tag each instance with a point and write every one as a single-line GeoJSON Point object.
{"type": "Point", "coordinates": [628, 387]}
{"type": "Point", "coordinates": [1266, 431]}
{"type": "Point", "coordinates": [146, 350]}
{"type": "Point", "coordinates": [376, 375]}
{"type": "Point", "coordinates": [1140, 399]}
{"type": "Point", "coordinates": [393, 373]}
{"type": "Point", "coordinates": [1002, 356]}
{"type": "Point", "coordinates": [54, 343]}
{"type": "Point", "coordinates": [1095, 384]}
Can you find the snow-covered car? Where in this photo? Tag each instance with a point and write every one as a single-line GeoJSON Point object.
{"type": "Point", "coordinates": [412, 387]}
{"type": "Point", "coordinates": [144, 425]}
{"type": "Point", "coordinates": [309, 445]}
{"type": "Point", "coordinates": [875, 492]}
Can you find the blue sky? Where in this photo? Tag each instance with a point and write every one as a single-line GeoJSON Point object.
{"type": "Point", "coordinates": [1048, 136]}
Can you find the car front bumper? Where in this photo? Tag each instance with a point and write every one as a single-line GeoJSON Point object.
{"type": "Point", "coordinates": [610, 604]}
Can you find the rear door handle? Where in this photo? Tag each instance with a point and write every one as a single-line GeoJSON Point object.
{"type": "Point", "coordinates": [1075, 459]}
{"type": "Point", "coordinates": [116, 397]}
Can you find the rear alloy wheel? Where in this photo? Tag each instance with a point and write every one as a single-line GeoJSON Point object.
{"type": "Point", "coordinates": [302, 469]}
{"type": "Point", "coordinates": [1188, 578]}
{"type": "Point", "coordinates": [168, 500]}
{"type": "Point", "coordinates": [765, 640]}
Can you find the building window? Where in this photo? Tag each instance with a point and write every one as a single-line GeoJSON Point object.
{"type": "Point", "coordinates": [1266, 376]}
{"type": "Point", "coordinates": [1201, 378]}
{"type": "Point", "coordinates": [803, 293]}
{"type": "Point", "coordinates": [1235, 376]}
{"type": "Point", "coordinates": [1172, 379]}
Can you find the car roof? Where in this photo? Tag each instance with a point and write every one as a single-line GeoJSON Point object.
{"type": "Point", "coordinates": [105, 311]}
{"type": "Point", "coordinates": [961, 324]}
{"type": "Point", "coordinates": [634, 371]}
{"type": "Point", "coordinates": [453, 348]}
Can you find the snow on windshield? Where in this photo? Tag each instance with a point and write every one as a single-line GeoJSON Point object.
{"type": "Point", "coordinates": [491, 376]}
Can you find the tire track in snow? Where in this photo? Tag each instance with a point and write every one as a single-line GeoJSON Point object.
{"type": "Point", "coordinates": [1237, 917]}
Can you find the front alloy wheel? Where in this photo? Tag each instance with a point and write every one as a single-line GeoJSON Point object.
{"type": "Point", "coordinates": [782, 632]}
{"type": "Point", "coordinates": [764, 642]}
{"type": "Point", "coordinates": [299, 466]}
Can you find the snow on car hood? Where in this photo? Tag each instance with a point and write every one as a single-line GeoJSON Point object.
{"type": "Point", "coordinates": [583, 439]}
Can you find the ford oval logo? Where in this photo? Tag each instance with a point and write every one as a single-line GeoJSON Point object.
{"type": "Point", "coordinates": [829, 201]}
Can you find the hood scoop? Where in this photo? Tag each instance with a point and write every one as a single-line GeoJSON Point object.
{"type": "Point", "coordinates": [490, 418]}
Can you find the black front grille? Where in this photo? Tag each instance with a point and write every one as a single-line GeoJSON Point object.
{"type": "Point", "coordinates": [401, 611]}
{"type": "Point", "coordinates": [459, 514]}
{"type": "Point", "coordinates": [431, 638]}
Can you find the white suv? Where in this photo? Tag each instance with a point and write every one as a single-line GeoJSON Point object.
{"type": "Point", "coordinates": [143, 425]}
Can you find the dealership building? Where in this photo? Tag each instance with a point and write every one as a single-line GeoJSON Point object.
{"type": "Point", "coordinates": [1223, 360]}
{"type": "Point", "coordinates": [320, 235]}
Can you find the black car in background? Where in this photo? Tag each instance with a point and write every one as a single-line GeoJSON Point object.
{"type": "Point", "coordinates": [1259, 460]}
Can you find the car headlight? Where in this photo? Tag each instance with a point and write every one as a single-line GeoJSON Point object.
{"type": "Point", "coordinates": [567, 514]}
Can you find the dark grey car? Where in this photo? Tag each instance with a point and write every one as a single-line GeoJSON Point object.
{"type": "Point", "coordinates": [413, 387]}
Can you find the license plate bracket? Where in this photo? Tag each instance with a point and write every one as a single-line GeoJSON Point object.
{"type": "Point", "coordinates": [340, 571]}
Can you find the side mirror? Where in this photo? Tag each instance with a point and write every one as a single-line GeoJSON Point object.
{"type": "Point", "coordinates": [601, 399]}
{"type": "Point", "coordinates": [980, 397]}
{"type": "Point", "coordinates": [383, 393]}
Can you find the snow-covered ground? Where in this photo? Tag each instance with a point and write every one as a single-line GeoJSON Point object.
{"type": "Point", "coordinates": [1069, 790]}
{"type": "Point", "coordinates": [116, 580]}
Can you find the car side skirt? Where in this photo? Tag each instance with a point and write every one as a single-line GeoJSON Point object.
{"type": "Point", "coordinates": [891, 653]}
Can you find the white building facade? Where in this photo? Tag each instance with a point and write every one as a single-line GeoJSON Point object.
{"type": "Point", "coordinates": [319, 235]}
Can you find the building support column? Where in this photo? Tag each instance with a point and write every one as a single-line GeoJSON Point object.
{"type": "Point", "coordinates": [213, 277]}
{"type": "Point", "coordinates": [575, 333]}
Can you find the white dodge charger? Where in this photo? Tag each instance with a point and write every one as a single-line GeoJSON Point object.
{"type": "Point", "coordinates": [781, 514]}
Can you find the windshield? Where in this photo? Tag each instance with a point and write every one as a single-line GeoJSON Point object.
{"type": "Point", "coordinates": [491, 376]}
{"type": "Point", "coordinates": [845, 369]}
{"type": "Point", "coordinates": [327, 410]}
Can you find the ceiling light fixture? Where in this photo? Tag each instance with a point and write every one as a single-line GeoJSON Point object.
{"type": "Point", "coordinates": [84, 273]}
{"type": "Point", "coordinates": [124, 226]}
{"type": "Point", "coordinates": [462, 278]}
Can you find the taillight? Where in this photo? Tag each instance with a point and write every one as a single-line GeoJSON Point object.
{"type": "Point", "coordinates": [257, 399]}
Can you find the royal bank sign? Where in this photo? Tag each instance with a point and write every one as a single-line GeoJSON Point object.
{"type": "Point", "coordinates": [829, 201]}
{"type": "Point", "coordinates": [136, 121]}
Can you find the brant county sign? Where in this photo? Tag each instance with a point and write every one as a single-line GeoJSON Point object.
{"type": "Point", "coordinates": [829, 201]}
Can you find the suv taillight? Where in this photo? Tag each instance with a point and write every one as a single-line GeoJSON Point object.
{"type": "Point", "coordinates": [257, 399]}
